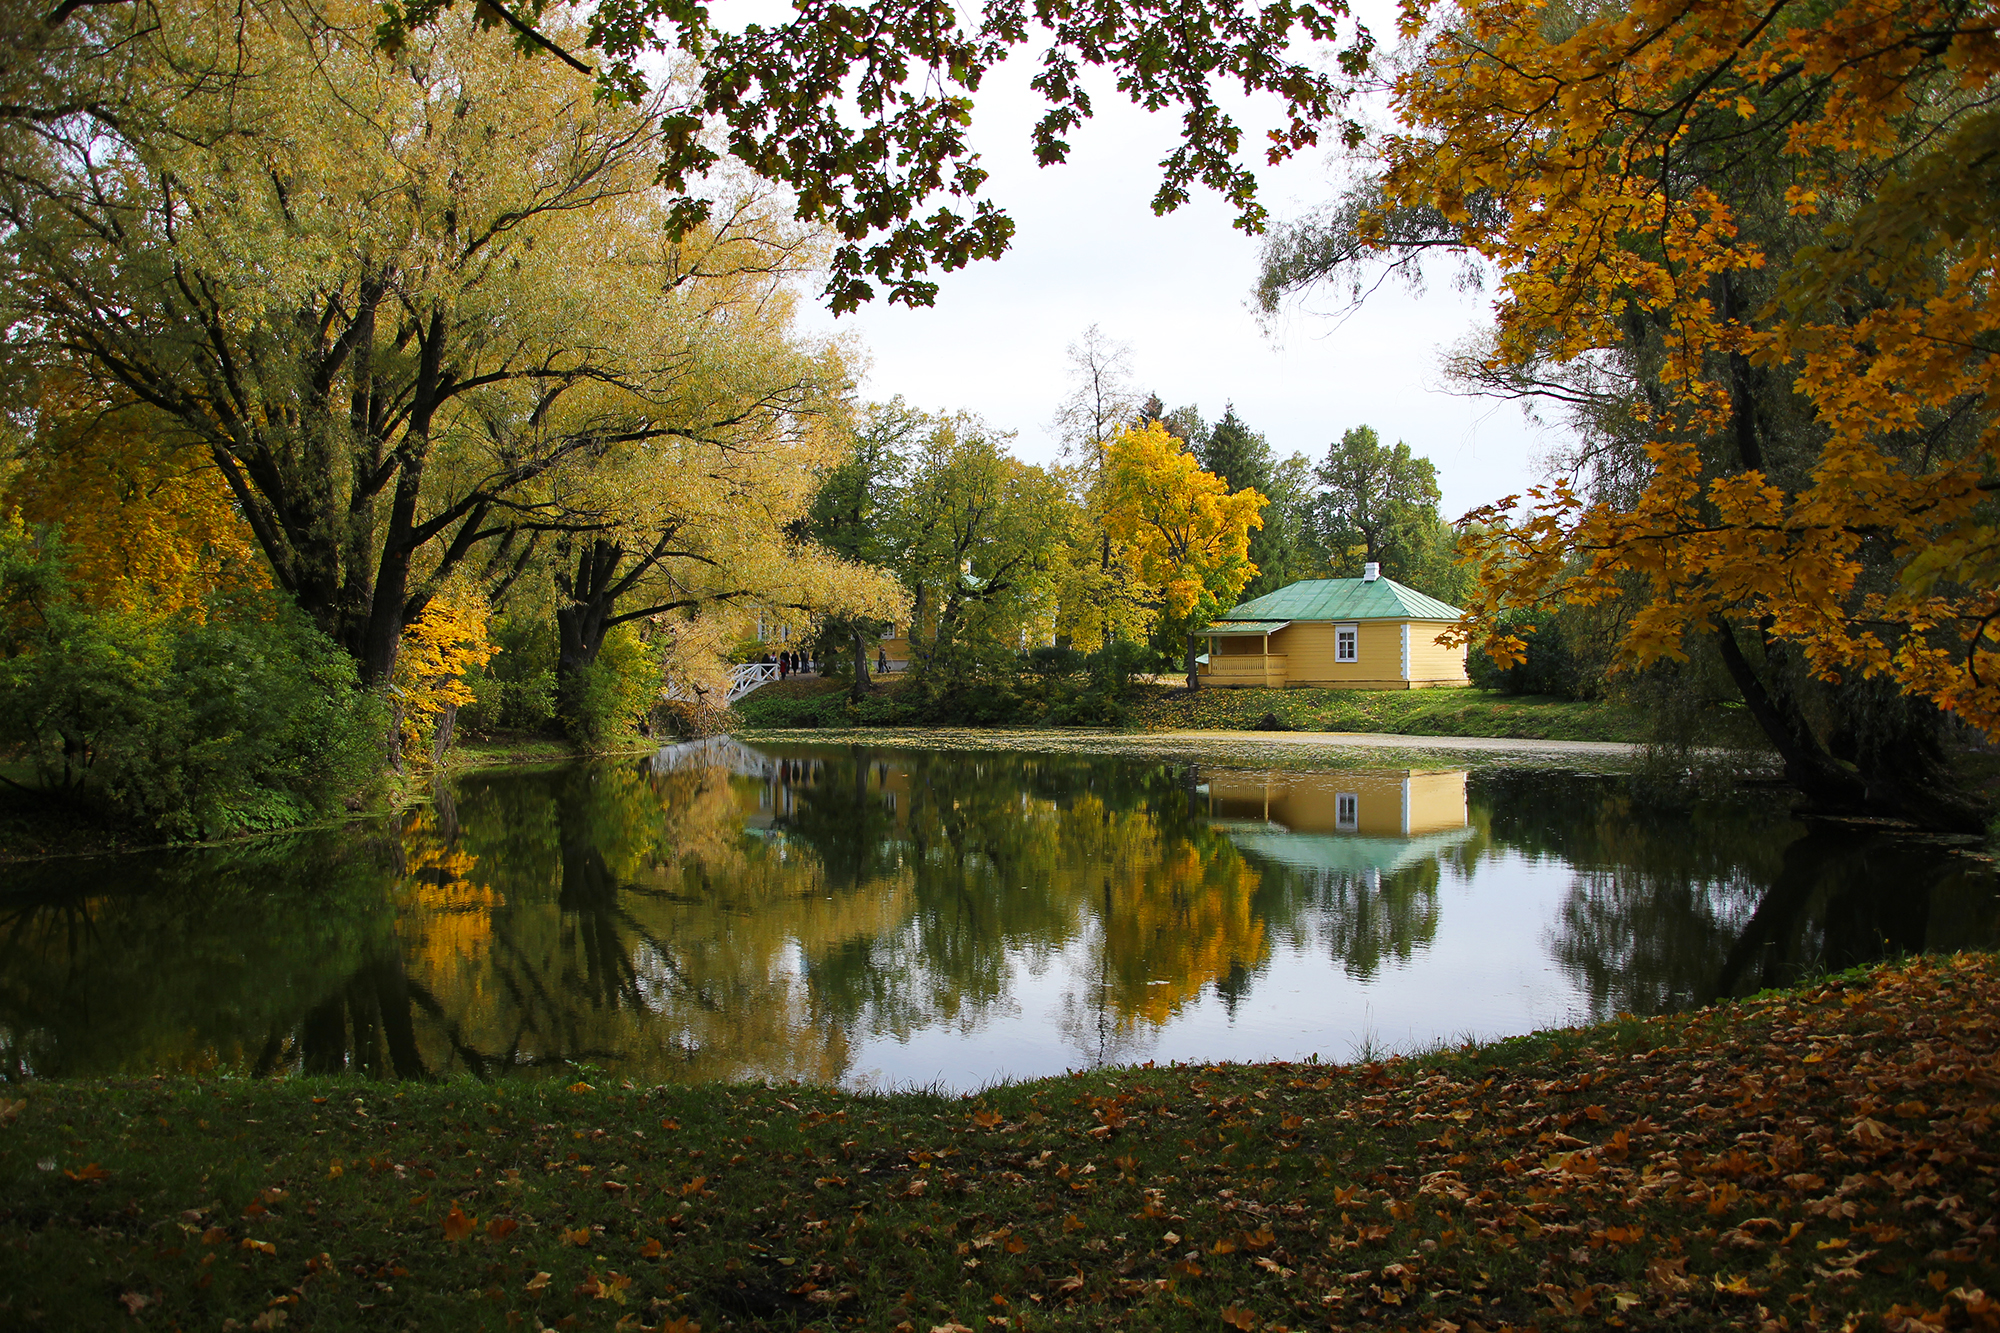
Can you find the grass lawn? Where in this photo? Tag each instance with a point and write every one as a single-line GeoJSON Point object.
{"type": "Point", "coordinates": [1167, 707]}
{"type": "Point", "coordinates": [473, 752]}
{"type": "Point", "coordinates": [1817, 1159]}
{"type": "Point", "coordinates": [1440, 712]}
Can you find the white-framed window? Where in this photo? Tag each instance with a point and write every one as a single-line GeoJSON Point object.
{"type": "Point", "coordinates": [1347, 643]}
{"type": "Point", "coordinates": [1347, 810]}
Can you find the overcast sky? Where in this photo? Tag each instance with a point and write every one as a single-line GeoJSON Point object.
{"type": "Point", "coordinates": [1088, 250]}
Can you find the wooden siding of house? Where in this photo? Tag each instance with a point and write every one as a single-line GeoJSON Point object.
{"type": "Point", "coordinates": [1309, 645]}
{"type": "Point", "coordinates": [1303, 653]}
{"type": "Point", "coordinates": [1434, 663]}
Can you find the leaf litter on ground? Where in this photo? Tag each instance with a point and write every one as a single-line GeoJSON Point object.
{"type": "Point", "coordinates": [1815, 1159]}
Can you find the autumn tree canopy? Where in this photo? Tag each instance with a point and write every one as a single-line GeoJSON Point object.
{"type": "Point", "coordinates": [1190, 534]}
{"type": "Point", "coordinates": [428, 317]}
{"type": "Point", "coordinates": [1752, 247]}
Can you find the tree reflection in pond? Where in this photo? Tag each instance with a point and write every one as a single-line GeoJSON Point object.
{"type": "Point", "coordinates": [854, 914]}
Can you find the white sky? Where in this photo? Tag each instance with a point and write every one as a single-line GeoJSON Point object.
{"type": "Point", "coordinates": [1088, 250]}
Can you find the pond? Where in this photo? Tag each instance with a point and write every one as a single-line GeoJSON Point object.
{"type": "Point", "coordinates": [875, 916]}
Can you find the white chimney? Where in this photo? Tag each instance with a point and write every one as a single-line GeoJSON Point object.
{"type": "Point", "coordinates": [1370, 572]}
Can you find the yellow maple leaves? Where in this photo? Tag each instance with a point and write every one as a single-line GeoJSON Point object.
{"type": "Point", "coordinates": [1638, 174]}
{"type": "Point", "coordinates": [448, 639]}
{"type": "Point", "coordinates": [1190, 532]}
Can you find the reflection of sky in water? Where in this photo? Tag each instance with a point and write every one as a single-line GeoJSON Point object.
{"type": "Point", "coordinates": [929, 918]}
{"type": "Point", "coordinates": [1485, 974]}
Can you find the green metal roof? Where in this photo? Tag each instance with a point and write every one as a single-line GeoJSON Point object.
{"type": "Point", "coordinates": [1245, 626]}
{"type": "Point", "coordinates": [1343, 599]}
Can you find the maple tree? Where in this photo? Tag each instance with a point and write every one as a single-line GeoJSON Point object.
{"type": "Point", "coordinates": [1753, 246]}
{"type": "Point", "coordinates": [1189, 532]}
{"type": "Point", "coordinates": [446, 641]}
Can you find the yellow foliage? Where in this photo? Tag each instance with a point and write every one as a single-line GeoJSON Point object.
{"type": "Point", "coordinates": [445, 642]}
{"type": "Point", "coordinates": [149, 523]}
{"type": "Point", "coordinates": [1190, 534]}
{"type": "Point", "coordinates": [1580, 144]}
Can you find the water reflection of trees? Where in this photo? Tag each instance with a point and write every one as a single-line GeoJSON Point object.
{"type": "Point", "coordinates": [1657, 896]}
{"type": "Point", "coordinates": [741, 915]}
{"type": "Point", "coordinates": [183, 962]}
{"type": "Point", "coordinates": [1670, 908]}
{"type": "Point", "coordinates": [1016, 859]}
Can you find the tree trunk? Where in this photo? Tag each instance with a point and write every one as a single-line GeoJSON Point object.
{"type": "Point", "coordinates": [447, 721]}
{"type": "Point", "coordinates": [1193, 667]}
{"type": "Point", "coordinates": [589, 601]}
{"type": "Point", "coordinates": [860, 689]}
{"type": "Point", "coordinates": [1894, 781]}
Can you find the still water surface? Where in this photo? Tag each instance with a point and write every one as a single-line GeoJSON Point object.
{"type": "Point", "coordinates": [870, 916]}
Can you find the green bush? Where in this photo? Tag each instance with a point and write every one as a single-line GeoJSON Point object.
{"type": "Point", "coordinates": [249, 719]}
{"type": "Point", "coordinates": [603, 704]}
{"type": "Point", "coordinates": [1550, 668]}
{"type": "Point", "coordinates": [516, 689]}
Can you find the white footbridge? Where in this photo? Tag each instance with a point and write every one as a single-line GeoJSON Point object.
{"type": "Point", "coordinates": [742, 680]}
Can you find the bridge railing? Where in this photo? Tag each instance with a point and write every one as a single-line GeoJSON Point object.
{"type": "Point", "coordinates": [742, 680]}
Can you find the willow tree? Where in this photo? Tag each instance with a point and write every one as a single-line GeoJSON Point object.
{"type": "Point", "coordinates": [359, 282]}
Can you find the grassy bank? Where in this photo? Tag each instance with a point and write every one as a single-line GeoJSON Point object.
{"type": "Point", "coordinates": [1164, 707]}
{"type": "Point", "coordinates": [1816, 1159]}
{"type": "Point", "coordinates": [1461, 712]}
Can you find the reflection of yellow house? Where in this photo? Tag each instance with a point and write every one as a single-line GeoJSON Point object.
{"type": "Point", "coordinates": [1369, 633]}
{"type": "Point", "coordinates": [1380, 819]}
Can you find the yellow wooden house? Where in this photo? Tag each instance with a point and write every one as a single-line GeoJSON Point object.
{"type": "Point", "coordinates": [1369, 633]}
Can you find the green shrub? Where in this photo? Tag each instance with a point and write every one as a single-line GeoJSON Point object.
{"type": "Point", "coordinates": [516, 689]}
{"type": "Point", "coordinates": [250, 719]}
{"type": "Point", "coordinates": [1549, 668]}
{"type": "Point", "coordinates": [603, 704]}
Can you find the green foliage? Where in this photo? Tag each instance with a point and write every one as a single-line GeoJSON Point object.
{"type": "Point", "coordinates": [602, 704]}
{"type": "Point", "coordinates": [1053, 661]}
{"type": "Point", "coordinates": [776, 97]}
{"type": "Point", "coordinates": [1549, 667]}
{"type": "Point", "coordinates": [1381, 502]}
{"type": "Point", "coordinates": [516, 689]}
{"type": "Point", "coordinates": [250, 719]}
